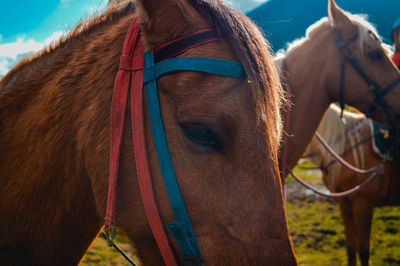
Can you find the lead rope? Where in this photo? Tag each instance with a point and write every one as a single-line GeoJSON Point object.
{"type": "Point", "coordinates": [116, 247]}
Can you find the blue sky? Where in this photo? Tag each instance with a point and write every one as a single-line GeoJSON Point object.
{"type": "Point", "coordinates": [39, 19]}
{"type": "Point", "coordinates": [28, 26]}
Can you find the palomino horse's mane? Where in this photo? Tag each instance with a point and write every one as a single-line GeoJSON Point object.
{"type": "Point", "coordinates": [364, 29]}
{"type": "Point", "coordinates": [246, 40]}
{"type": "Point", "coordinates": [336, 132]}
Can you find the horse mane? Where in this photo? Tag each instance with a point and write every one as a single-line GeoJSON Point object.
{"type": "Point", "coordinates": [334, 130]}
{"type": "Point", "coordinates": [365, 28]}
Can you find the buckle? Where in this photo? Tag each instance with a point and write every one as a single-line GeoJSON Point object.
{"type": "Point", "coordinates": [109, 235]}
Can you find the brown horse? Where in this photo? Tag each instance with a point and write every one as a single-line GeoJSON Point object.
{"type": "Point", "coordinates": [312, 71]}
{"type": "Point", "coordinates": [54, 139]}
{"type": "Point", "coordinates": [354, 140]}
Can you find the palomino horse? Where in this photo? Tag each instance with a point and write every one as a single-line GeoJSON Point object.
{"type": "Point", "coordinates": [223, 134]}
{"type": "Point", "coordinates": [353, 139]}
{"type": "Point", "coordinates": [340, 59]}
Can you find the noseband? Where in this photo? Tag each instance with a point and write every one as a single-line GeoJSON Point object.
{"type": "Point", "coordinates": [347, 56]}
{"type": "Point", "coordinates": [138, 68]}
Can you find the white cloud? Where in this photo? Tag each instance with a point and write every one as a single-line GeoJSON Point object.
{"type": "Point", "coordinates": [12, 50]}
{"type": "Point", "coordinates": [54, 37]}
{"type": "Point", "coordinates": [245, 5]}
{"type": "Point", "coordinates": [11, 53]}
{"type": "Point", "coordinates": [3, 67]}
{"type": "Point", "coordinates": [65, 3]}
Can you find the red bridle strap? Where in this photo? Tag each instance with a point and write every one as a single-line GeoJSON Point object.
{"type": "Point", "coordinates": [131, 74]}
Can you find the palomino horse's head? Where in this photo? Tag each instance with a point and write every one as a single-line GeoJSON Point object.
{"type": "Point", "coordinates": [362, 66]}
{"type": "Point", "coordinates": [340, 59]}
{"type": "Point", "coordinates": [223, 134]}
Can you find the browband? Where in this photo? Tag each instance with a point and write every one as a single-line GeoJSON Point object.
{"type": "Point", "coordinates": [179, 46]}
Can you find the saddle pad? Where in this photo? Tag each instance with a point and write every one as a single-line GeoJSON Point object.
{"type": "Point", "coordinates": [380, 141]}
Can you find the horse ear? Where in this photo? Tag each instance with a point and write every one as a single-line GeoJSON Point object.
{"type": "Point", "coordinates": [164, 20]}
{"type": "Point", "coordinates": [337, 16]}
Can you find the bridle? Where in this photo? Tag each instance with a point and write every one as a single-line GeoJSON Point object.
{"type": "Point", "coordinates": [348, 57]}
{"type": "Point", "coordinates": [379, 93]}
{"type": "Point", "coordinates": [138, 68]}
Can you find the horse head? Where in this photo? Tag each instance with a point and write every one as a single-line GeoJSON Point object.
{"type": "Point", "coordinates": [222, 134]}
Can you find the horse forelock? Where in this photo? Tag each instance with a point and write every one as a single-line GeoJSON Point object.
{"type": "Point", "coordinates": [250, 46]}
{"type": "Point", "coordinates": [365, 28]}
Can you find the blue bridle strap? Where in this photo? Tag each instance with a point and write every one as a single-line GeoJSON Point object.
{"type": "Point", "coordinates": [199, 64]}
{"type": "Point", "coordinates": [181, 228]}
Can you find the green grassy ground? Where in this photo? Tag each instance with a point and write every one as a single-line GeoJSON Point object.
{"type": "Point", "coordinates": [316, 228]}
{"type": "Point", "coordinates": [318, 233]}
{"type": "Point", "coordinates": [101, 254]}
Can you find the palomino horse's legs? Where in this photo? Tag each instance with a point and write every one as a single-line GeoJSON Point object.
{"type": "Point", "coordinates": [345, 205]}
{"type": "Point", "coordinates": [363, 211]}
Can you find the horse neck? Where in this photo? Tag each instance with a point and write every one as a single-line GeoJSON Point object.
{"type": "Point", "coordinates": [49, 116]}
{"type": "Point", "coordinates": [310, 97]}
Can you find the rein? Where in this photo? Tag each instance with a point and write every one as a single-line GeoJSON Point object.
{"type": "Point", "coordinates": [342, 161]}
{"type": "Point", "coordinates": [138, 68]}
{"type": "Point", "coordinates": [333, 161]}
{"type": "Point", "coordinates": [344, 193]}
{"type": "Point", "coordinates": [375, 172]}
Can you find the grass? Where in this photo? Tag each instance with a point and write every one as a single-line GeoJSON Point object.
{"type": "Point", "coordinates": [102, 255]}
{"type": "Point", "coordinates": [318, 233]}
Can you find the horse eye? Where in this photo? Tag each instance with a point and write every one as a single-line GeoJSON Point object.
{"type": "Point", "coordinates": [375, 55]}
{"type": "Point", "coordinates": [374, 36]}
{"type": "Point", "coordinates": [201, 135]}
